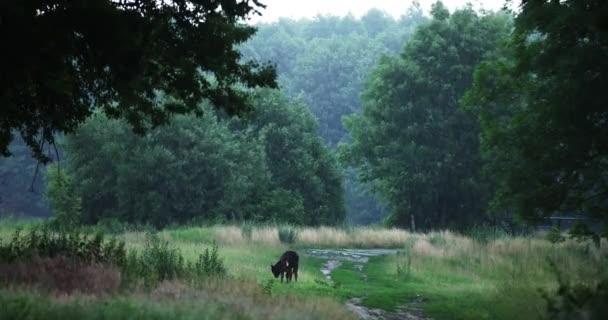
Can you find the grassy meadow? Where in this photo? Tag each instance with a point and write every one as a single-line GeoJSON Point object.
{"type": "Point", "coordinates": [447, 275]}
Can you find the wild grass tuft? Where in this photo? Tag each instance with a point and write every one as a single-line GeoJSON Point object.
{"type": "Point", "coordinates": [287, 234]}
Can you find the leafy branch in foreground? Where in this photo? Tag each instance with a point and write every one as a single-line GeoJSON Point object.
{"type": "Point", "coordinates": [66, 56]}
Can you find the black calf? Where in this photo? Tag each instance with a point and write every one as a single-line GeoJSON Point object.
{"type": "Point", "coordinates": [287, 264]}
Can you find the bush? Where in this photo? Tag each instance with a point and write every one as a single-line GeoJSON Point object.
{"type": "Point", "coordinates": [581, 232]}
{"type": "Point", "coordinates": [157, 261]}
{"type": "Point", "coordinates": [70, 245]}
{"type": "Point", "coordinates": [63, 200]}
{"type": "Point", "coordinates": [555, 235]}
{"type": "Point", "coordinates": [486, 233]}
{"type": "Point", "coordinates": [577, 301]}
{"type": "Point", "coordinates": [438, 240]}
{"type": "Point", "coordinates": [287, 234]}
{"type": "Point", "coordinates": [209, 263]}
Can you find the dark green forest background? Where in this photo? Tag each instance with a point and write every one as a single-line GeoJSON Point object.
{"type": "Point", "coordinates": [451, 120]}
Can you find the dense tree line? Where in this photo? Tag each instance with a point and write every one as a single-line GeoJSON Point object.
{"type": "Point", "coordinates": [543, 109]}
{"type": "Point", "coordinates": [66, 56]}
{"type": "Point", "coordinates": [465, 118]}
{"type": "Point", "coordinates": [325, 61]}
{"type": "Point", "coordinates": [412, 141]}
{"type": "Point", "coordinates": [271, 167]}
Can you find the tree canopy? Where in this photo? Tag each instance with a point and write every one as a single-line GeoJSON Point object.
{"type": "Point", "coordinates": [271, 167]}
{"type": "Point", "coordinates": [61, 58]}
{"type": "Point", "coordinates": [412, 142]}
{"type": "Point", "coordinates": [543, 110]}
{"type": "Point", "coordinates": [324, 61]}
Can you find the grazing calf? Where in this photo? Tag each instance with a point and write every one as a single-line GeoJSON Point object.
{"type": "Point", "coordinates": [287, 264]}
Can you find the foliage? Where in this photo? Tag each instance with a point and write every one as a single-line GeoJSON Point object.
{"type": "Point", "coordinates": [465, 279]}
{"type": "Point", "coordinates": [287, 234]}
{"type": "Point", "coordinates": [117, 176]}
{"type": "Point", "coordinates": [580, 231]}
{"type": "Point", "coordinates": [307, 183]}
{"type": "Point", "coordinates": [555, 235]}
{"type": "Point", "coordinates": [577, 301]}
{"type": "Point", "coordinates": [63, 199]}
{"type": "Point", "coordinates": [119, 55]}
{"type": "Point", "coordinates": [542, 109]}
{"type": "Point", "coordinates": [209, 263]}
{"type": "Point", "coordinates": [485, 233]}
{"type": "Point", "coordinates": [412, 143]}
{"type": "Point", "coordinates": [269, 167]}
{"type": "Point", "coordinates": [324, 61]}
{"type": "Point", "coordinates": [247, 229]}
{"type": "Point", "coordinates": [160, 260]}
{"type": "Point", "coordinates": [157, 261]}
{"type": "Point", "coordinates": [44, 243]}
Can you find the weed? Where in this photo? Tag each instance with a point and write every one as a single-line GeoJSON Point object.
{"type": "Point", "coordinates": [555, 235]}
{"type": "Point", "coordinates": [247, 229]}
{"type": "Point", "coordinates": [578, 301]}
{"type": "Point", "coordinates": [404, 264]}
{"type": "Point", "coordinates": [486, 233]}
{"type": "Point", "coordinates": [287, 234]}
{"type": "Point", "coordinates": [267, 287]}
{"type": "Point", "coordinates": [438, 240]}
{"type": "Point", "coordinates": [209, 263]}
{"type": "Point", "coordinates": [158, 261]}
{"type": "Point", "coordinates": [49, 244]}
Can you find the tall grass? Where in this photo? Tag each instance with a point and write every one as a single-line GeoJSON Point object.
{"type": "Point", "coordinates": [226, 299]}
{"type": "Point", "coordinates": [304, 236]}
{"type": "Point", "coordinates": [490, 275]}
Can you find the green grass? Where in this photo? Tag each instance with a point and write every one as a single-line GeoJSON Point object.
{"type": "Point", "coordinates": [454, 276]}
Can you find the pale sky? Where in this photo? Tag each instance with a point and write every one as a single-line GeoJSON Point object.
{"type": "Point", "coordinates": [310, 8]}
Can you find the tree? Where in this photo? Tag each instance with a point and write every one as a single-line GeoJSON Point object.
{"type": "Point", "coordinates": [301, 166]}
{"type": "Point", "coordinates": [271, 166]}
{"type": "Point", "coordinates": [66, 56]}
{"type": "Point", "coordinates": [63, 199]}
{"type": "Point", "coordinates": [324, 61]}
{"type": "Point", "coordinates": [412, 142]}
{"type": "Point", "coordinates": [20, 183]}
{"type": "Point", "coordinates": [543, 110]}
{"type": "Point", "coordinates": [192, 168]}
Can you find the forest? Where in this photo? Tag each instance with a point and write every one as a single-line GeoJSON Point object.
{"type": "Point", "coordinates": [449, 164]}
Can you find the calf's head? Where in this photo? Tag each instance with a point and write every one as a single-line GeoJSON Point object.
{"type": "Point", "coordinates": [276, 270]}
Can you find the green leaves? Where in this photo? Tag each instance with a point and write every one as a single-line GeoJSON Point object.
{"type": "Point", "coordinates": [412, 142]}
{"type": "Point", "coordinates": [272, 167]}
{"type": "Point", "coordinates": [542, 109]}
{"type": "Point", "coordinates": [65, 57]}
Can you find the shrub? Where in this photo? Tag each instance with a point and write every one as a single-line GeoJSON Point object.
{"type": "Point", "coordinates": [70, 245]}
{"type": "Point", "coordinates": [486, 233]}
{"type": "Point", "coordinates": [209, 263]}
{"type": "Point", "coordinates": [555, 235]}
{"type": "Point", "coordinates": [438, 240]}
{"type": "Point", "coordinates": [247, 229]}
{"type": "Point", "coordinates": [578, 301]}
{"type": "Point", "coordinates": [287, 234]}
{"type": "Point", "coordinates": [158, 261]}
{"type": "Point", "coordinates": [63, 200]}
{"type": "Point", "coordinates": [581, 232]}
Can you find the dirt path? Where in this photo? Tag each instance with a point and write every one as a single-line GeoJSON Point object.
{"type": "Point", "coordinates": [361, 257]}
